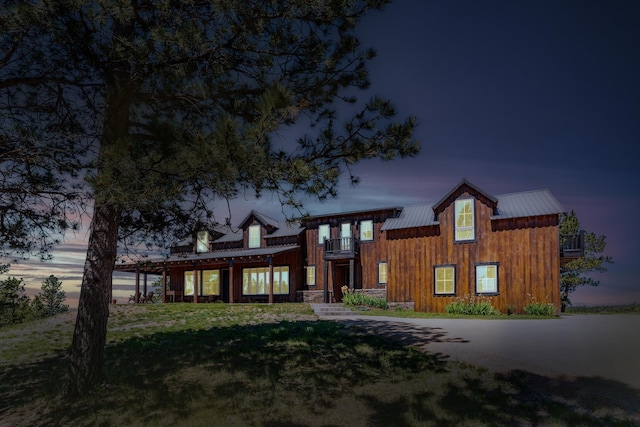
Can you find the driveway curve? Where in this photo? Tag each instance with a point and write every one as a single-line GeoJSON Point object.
{"type": "Point", "coordinates": [603, 346]}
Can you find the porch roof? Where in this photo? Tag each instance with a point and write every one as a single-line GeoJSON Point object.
{"type": "Point", "coordinates": [154, 266]}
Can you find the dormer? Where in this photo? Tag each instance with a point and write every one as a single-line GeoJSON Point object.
{"type": "Point", "coordinates": [465, 188]}
{"type": "Point", "coordinates": [255, 228]}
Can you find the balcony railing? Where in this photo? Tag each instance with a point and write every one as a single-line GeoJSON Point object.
{"type": "Point", "coordinates": [341, 247]}
{"type": "Point", "coordinates": [572, 245]}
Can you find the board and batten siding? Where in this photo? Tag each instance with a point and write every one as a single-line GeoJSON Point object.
{"type": "Point", "coordinates": [526, 249]}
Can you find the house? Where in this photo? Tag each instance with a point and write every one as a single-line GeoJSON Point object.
{"type": "Point", "coordinates": [470, 242]}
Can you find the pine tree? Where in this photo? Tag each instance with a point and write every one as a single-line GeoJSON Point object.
{"type": "Point", "coordinates": [575, 273]}
{"type": "Point", "coordinates": [174, 107]}
{"type": "Point", "coordinates": [52, 297]}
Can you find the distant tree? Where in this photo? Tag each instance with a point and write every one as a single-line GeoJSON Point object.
{"type": "Point", "coordinates": [575, 273]}
{"type": "Point", "coordinates": [180, 101]}
{"type": "Point", "coordinates": [14, 303]}
{"type": "Point", "coordinates": [52, 297]}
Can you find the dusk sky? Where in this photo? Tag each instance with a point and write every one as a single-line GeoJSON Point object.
{"type": "Point", "coordinates": [513, 96]}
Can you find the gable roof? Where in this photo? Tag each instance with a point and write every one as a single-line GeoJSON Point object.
{"type": "Point", "coordinates": [464, 186]}
{"type": "Point", "coordinates": [512, 205]}
{"type": "Point", "coordinates": [262, 219]}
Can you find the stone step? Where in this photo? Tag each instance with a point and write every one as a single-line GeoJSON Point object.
{"type": "Point", "coordinates": [329, 310]}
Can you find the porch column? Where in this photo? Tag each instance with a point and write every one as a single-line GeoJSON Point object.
{"type": "Point", "coordinates": [136, 298]}
{"type": "Point", "coordinates": [231, 281]}
{"type": "Point", "coordinates": [164, 282]}
{"type": "Point", "coordinates": [326, 281]}
{"type": "Point", "coordinates": [352, 273]}
{"type": "Point", "coordinates": [196, 285]}
{"type": "Point", "coordinates": [145, 284]}
{"type": "Point", "coordinates": [270, 259]}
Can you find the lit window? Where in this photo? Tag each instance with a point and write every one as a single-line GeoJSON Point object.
{"type": "Point", "coordinates": [366, 230]}
{"type": "Point", "coordinates": [445, 280]}
{"type": "Point", "coordinates": [464, 229]}
{"type": "Point", "coordinates": [382, 273]}
{"type": "Point", "coordinates": [487, 279]}
{"type": "Point", "coordinates": [255, 281]}
{"type": "Point", "coordinates": [188, 283]}
{"type": "Point", "coordinates": [202, 242]}
{"type": "Point", "coordinates": [210, 282]}
{"type": "Point", "coordinates": [324, 233]}
{"type": "Point", "coordinates": [254, 236]}
{"type": "Point", "coordinates": [311, 275]}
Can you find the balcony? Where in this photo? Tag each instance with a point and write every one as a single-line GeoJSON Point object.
{"type": "Point", "coordinates": [341, 248]}
{"type": "Point", "coordinates": [571, 246]}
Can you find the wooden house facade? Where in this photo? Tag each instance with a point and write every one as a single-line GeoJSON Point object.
{"type": "Point", "coordinates": [470, 243]}
{"type": "Point", "coordinates": [262, 261]}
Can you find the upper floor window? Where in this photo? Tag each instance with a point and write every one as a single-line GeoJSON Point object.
{"type": "Point", "coordinates": [324, 233]}
{"type": "Point", "coordinates": [254, 236]}
{"type": "Point", "coordinates": [366, 230]}
{"type": "Point", "coordinates": [202, 241]}
{"type": "Point", "coordinates": [464, 221]}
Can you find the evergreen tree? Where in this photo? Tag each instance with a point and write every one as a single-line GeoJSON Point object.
{"type": "Point", "coordinates": [52, 297]}
{"type": "Point", "coordinates": [575, 272]}
{"type": "Point", "coordinates": [14, 303]}
{"type": "Point", "coordinates": [173, 107]}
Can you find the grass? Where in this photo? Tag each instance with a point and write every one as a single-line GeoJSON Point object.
{"type": "Point", "coordinates": [260, 365]}
{"type": "Point", "coordinates": [605, 309]}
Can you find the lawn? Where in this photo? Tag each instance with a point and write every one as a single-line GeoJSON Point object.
{"type": "Point", "coordinates": [261, 365]}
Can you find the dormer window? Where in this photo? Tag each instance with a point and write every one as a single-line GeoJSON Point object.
{"type": "Point", "coordinates": [254, 236]}
{"type": "Point", "coordinates": [464, 220]}
{"type": "Point", "coordinates": [202, 242]}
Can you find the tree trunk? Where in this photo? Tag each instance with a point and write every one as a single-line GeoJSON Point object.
{"type": "Point", "coordinates": [87, 349]}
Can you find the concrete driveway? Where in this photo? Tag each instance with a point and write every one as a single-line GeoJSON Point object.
{"type": "Point", "coordinates": [605, 346]}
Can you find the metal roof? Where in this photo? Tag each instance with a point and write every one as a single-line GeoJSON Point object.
{"type": "Point", "coordinates": [262, 218]}
{"type": "Point", "coordinates": [513, 205]}
{"type": "Point", "coordinates": [286, 229]}
{"type": "Point", "coordinates": [230, 254]}
{"type": "Point", "coordinates": [528, 203]}
{"type": "Point", "coordinates": [412, 217]}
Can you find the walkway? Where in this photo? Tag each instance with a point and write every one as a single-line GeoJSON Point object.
{"type": "Point", "coordinates": [605, 346]}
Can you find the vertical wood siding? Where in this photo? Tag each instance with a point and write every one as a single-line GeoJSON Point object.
{"type": "Point", "coordinates": [527, 251]}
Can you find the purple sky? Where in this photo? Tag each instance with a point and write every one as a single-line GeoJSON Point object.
{"type": "Point", "coordinates": [512, 95]}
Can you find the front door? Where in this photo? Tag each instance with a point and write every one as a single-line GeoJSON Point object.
{"type": "Point", "coordinates": [225, 285]}
{"type": "Point", "coordinates": [341, 279]}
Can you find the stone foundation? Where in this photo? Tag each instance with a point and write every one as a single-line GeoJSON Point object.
{"type": "Point", "coordinates": [313, 297]}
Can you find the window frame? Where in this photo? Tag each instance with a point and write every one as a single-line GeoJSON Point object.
{"type": "Point", "coordinates": [496, 279]}
{"type": "Point", "coordinates": [250, 243]}
{"type": "Point", "coordinates": [261, 277]}
{"type": "Point", "coordinates": [471, 227]}
{"type": "Point", "coordinates": [311, 268]}
{"type": "Point", "coordinates": [202, 277]}
{"type": "Point", "coordinates": [386, 273]}
{"type": "Point", "coordinates": [362, 237]}
{"type": "Point", "coordinates": [321, 235]}
{"type": "Point", "coordinates": [435, 280]}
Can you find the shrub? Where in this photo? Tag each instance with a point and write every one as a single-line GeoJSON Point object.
{"type": "Point", "coordinates": [472, 305]}
{"type": "Point", "coordinates": [350, 297]}
{"type": "Point", "coordinates": [536, 308]}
